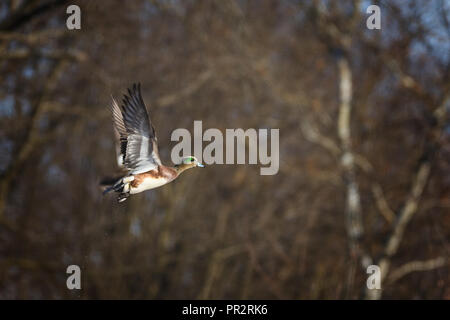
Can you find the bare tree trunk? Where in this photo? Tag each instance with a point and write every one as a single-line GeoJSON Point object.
{"type": "Point", "coordinates": [353, 211]}
{"type": "Point", "coordinates": [353, 202]}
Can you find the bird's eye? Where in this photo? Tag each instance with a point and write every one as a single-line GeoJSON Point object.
{"type": "Point", "coordinates": [192, 159]}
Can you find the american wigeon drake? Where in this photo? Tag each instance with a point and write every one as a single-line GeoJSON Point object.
{"type": "Point", "coordinates": [138, 150]}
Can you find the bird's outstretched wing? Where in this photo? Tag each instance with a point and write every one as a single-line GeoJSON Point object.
{"type": "Point", "coordinates": [120, 133]}
{"type": "Point", "coordinates": [138, 143]}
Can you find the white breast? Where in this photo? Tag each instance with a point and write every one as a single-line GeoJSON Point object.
{"type": "Point", "coordinates": [148, 184]}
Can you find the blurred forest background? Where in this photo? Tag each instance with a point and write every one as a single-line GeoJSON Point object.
{"type": "Point", "coordinates": [364, 149]}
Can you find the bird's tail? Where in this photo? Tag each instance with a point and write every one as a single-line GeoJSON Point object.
{"type": "Point", "coordinates": [109, 184]}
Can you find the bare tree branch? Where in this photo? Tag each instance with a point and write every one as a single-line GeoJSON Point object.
{"type": "Point", "coordinates": [409, 209]}
{"type": "Point", "coordinates": [28, 10]}
{"type": "Point", "coordinates": [313, 135]}
{"type": "Point", "coordinates": [188, 90]}
{"type": "Point", "coordinates": [414, 266]}
{"type": "Point", "coordinates": [34, 37]}
{"type": "Point", "coordinates": [382, 204]}
{"type": "Point", "coordinates": [53, 54]}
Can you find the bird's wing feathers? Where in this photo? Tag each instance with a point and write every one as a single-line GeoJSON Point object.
{"type": "Point", "coordinates": [137, 136]}
{"type": "Point", "coordinates": [120, 133]}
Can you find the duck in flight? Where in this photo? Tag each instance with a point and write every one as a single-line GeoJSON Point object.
{"type": "Point", "coordinates": [138, 150]}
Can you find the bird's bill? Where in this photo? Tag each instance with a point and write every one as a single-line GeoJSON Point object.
{"type": "Point", "coordinates": [200, 165]}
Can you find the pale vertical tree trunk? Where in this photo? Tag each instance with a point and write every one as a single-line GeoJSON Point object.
{"type": "Point", "coordinates": [353, 199]}
{"type": "Point", "coordinates": [353, 211]}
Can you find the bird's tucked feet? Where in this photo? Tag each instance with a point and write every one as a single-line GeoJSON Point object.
{"type": "Point", "coordinates": [123, 196]}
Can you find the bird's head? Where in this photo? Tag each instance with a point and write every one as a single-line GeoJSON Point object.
{"type": "Point", "coordinates": [192, 162]}
{"type": "Point", "coordinates": [188, 163]}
